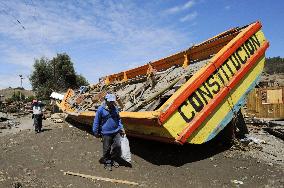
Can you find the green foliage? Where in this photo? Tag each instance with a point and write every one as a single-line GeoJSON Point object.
{"type": "Point", "coordinates": [17, 96]}
{"type": "Point", "coordinates": [81, 80]}
{"type": "Point", "coordinates": [29, 99]}
{"type": "Point", "coordinates": [274, 65]}
{"type": "Point", "coordinates": [57, 75]}
{"type": "Point", "coordinates": [9, 100]}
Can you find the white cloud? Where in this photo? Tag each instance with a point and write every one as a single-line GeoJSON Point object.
{"type": "Point", "coordinates": [56, 26]}
{"type": "Point", "coordinates": [189, 17]}
{"type": "Point", "coordinates": [51, 23]}
{"type": "Point", "coordinates": [228, 7]}
{"type": "Point", "coordinates": [189, 4]}
{"type": "Point", "coordinates": [185, 6]}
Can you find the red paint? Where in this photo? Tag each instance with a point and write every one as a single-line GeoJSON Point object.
{"type": "Point", "coordinates": [208, 71]}
{"type": "Point", "coordinates": [220, 96]}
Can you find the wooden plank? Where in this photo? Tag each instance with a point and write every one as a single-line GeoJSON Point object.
{"type": "Point", "coordinates": [101, 178]}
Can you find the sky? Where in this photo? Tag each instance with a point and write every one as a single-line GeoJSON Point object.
{"type": "Point", "coordinates": [107, 37]}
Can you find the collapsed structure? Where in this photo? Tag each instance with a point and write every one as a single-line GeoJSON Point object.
{"type": "Point", "coordinates": [187, 97]}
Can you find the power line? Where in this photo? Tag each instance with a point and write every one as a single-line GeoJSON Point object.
{"type": "Point", "coordinates": [17, 22]}
{"type": "Point", "coordinates": [11, 15]}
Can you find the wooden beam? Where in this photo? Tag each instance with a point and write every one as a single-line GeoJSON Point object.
{"type": "Point", "coordinates": [101, 178]}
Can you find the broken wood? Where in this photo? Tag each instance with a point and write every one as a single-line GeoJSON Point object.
{"type": "Point", "coordinates": [279, 133]}
{"type": "Point", "coordinates": [101, 178]}
{"type": "Point", "coordinates": [158, 94]}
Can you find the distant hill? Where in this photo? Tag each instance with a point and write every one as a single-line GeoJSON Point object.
{"type": "Point", "coordinates": [274, 65]}
{"type": "Point", "coordinates": [8, 92]}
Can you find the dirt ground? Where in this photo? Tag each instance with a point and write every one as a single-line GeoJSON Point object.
{"type": "Point", "coordinates": [40, 160]}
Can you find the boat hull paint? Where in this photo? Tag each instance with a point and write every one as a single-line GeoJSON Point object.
{"type": "Point", "coordinates": [207, 102]}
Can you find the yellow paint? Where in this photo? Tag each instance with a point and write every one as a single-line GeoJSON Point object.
{"type": "Point", "coordinates": [186, 62]}
{"type": "Point", "coordinates": [148, 130]}
{"type": "Point", "coordinates": [144, 115]}
{"type": "Point", "coordinates": [176, 124]}
{"type": "Point", "coordinates": [206, 128]}
{"type": "Point", "coordinates": [124, 77]}
{"type": "Point", "coordinates": [65, 105]}
{"type": "Point", "coordinates": [168, 103]}
{"type": "Point", "coordinates": [107, 81]}
{"type": "Point", "coordinates": [136, 115]}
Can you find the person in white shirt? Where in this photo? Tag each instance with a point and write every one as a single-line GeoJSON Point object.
{"type": "Point", "coordinates": [37, 115]}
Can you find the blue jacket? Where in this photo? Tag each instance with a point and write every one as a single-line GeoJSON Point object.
{"type": "Point", "coordinates": [107, 121]}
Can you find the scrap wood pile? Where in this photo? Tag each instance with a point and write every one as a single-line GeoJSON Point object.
{"type": "Point", "coordinates": [142, 93]}
{"type": "Point", "coordinates": [277, 131]}
{"type": "Point", "coordinates": [275, 128]}
{"type": "Point", "coordinates": [6, 123]}
{"type": "Point", "coordinates": [19, 107]}
{"type": "Point", "coordinates": [57, 117]}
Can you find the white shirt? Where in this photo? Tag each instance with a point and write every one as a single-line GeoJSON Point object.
{"type": "Point", "coordinates": [37, 110]}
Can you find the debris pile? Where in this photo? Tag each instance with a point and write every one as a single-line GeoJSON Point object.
{"type": "Point", "coordinates": [57, 117]}
{"type": "Point", "coordinates": [277, 131]}
{"type": "Point", "coordinates": [16, 107]}
{"type": "Point", "coordinates": [8, 124]}
{"type": "Point", "coordinates": [275, 128]}
{"type": "Point", "coordinates": [142, 93]}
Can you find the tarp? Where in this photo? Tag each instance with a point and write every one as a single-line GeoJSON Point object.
{"type": "Point", "coordinates": [57, 96]}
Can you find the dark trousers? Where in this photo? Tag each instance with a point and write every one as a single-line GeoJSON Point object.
{"type": "Point", "coordinates": [111, 148]}
{"type": "Point", "coordinates": [38, 122]}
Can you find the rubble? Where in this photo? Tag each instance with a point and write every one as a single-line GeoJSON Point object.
{"type": "Point", "coordinates": [237, 182]}
{"type": "Point", "coordinates": [275, 128]}
{"type": "Point", "coordinates": [60, 150]}
{"type": "Point", "coordinates": [261, 142]}
{"type": "Point", "coordinates": [142, 93]}
{"type": "Point", "coordinates": [8, 124]}
{"type": "Point", "coordinates": [57, 117]}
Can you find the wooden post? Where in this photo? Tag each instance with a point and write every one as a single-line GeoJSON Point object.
{"type": "Point", "coordinates": [186, 61]}
{"type": "Point", "coordinates": [101, 178]}
{"type": "Point", "coordinates": [107, 81]}
{"type": "Point", "coordinates": [124, 77]}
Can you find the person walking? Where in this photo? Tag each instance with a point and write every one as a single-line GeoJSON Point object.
{"type": "Point", "coordinates": [107, 124]}
{"type": "Point", "coordinates": [37, 115]}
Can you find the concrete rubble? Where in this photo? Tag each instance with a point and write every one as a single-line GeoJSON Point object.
{"type": "Point", "coordinates": [142, 93]}
{"type": "Point", "coordinates": [275, 128]}
{"type": "Point", "coordinates": [57, 117]}
{"type": "Point", "coordinates": [18, 107]}
{"type": "Point", "coordinates": [6, 123]}
{"type": "Point", "coordinates": [261, 143]}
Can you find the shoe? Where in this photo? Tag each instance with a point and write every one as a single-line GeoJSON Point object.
{"type": "Point", "coordinates": [108, 167]}
{"type": "Point", "coordinates": [115, 164]}
{"type": "Point", "coordinates": [102, 161]}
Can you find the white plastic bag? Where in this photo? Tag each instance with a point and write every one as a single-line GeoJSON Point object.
{"type": "Point", "coordinates": [125, 149]}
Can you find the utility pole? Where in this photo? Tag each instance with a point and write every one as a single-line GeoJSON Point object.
{"type": "Point", "coordinates": [21, 77]}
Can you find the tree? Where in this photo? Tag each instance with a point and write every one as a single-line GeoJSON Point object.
{"type": "Point", "coordinates": [57, 74]}
{"type": "Point", "coordinates": [18, 96]}
{"type": "Point", "coordinates": [274, 65]}
{"type": "Point", "coordinates": [41, 76]}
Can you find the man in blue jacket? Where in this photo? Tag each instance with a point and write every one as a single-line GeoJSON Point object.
{"type": "Point", "coordinates": [107, 124]}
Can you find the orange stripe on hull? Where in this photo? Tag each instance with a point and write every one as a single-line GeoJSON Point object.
{"type": "Point", "coordinates": [220, 96]}
{"type": "Point", "coordinates": [209, 70]}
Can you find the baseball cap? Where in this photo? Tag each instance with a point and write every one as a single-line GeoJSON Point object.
{"type": "Point", "coordinates": [110, 97]}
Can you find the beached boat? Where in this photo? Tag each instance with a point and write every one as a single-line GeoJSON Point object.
{"type": "Point", "coordinates": [188, 97]}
